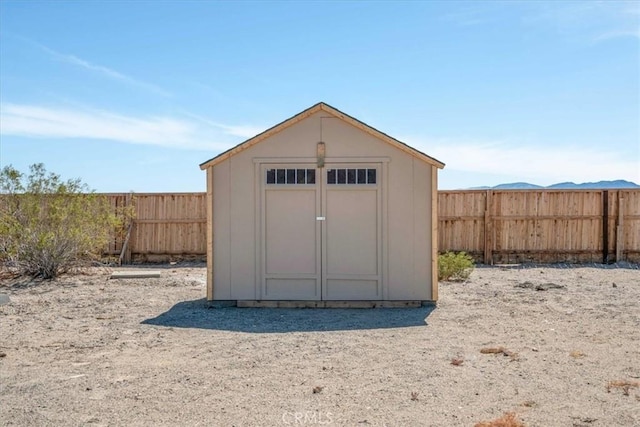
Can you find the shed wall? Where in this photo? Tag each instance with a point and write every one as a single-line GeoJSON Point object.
{"type": "Point", "coordinates": [406, 188]}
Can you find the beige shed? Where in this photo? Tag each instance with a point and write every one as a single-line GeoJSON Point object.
{"type": "Point", "coordinates": [324, 210]}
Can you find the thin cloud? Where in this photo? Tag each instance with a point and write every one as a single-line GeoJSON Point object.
{"type": "Point", "coordinates": [243, 131]}
{"type": "Point", "coordinates": [543, 166]}
{"type": "Point", "coordinates": [104, 71]}
{"type": "Point", "coordinates": [617, 34]}
{"type": "Point", "coordinates": [592, 21]}
{"type": "Point", "coordinates": [43, 122]}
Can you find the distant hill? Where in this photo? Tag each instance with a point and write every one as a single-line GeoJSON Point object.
{"type": "Point", "coordinates": [620, 183]}
{"type": "Point", "coordinates": [517, 186]}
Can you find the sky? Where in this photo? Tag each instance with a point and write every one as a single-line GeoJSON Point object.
{"type": "Point", "coordinates": [134, 95]}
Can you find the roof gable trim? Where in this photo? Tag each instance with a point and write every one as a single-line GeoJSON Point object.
{"type": "Point", "coordinates": [321, 106]}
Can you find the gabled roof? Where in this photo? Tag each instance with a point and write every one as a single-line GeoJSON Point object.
{"type": "Point", "coordinates": [321, 106]}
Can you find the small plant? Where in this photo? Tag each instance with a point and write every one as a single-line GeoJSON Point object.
{"type": "Point", "coordinates": [623, 385]}
{"type": "Point", "coordinates": [510, 419]}
{"type": "Point", "coordinates": [414, 395]}
{"type": "Point", "coordinates": [454, 266]}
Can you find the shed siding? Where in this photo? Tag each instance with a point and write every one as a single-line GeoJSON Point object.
{"type": "Point", "coordinates": [421, 231]}
{"type": "Point", "coordinates": [242, 229]}
{"type": "Point", "coordinates": [221, 234]}
{"type": "Point", "coordinates": [400, 220]}
{"type": "Point", "coordinates": [407, 191]}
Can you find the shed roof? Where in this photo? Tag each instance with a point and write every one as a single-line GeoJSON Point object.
{"type": "Point", "coordinates": [321, 106]}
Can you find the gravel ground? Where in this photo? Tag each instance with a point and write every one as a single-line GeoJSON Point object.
{"type": "Point", "coordinates": [85, 350]}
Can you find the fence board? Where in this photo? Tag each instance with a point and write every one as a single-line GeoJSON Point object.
{"type": "Point", "coordinates": [500, 226]}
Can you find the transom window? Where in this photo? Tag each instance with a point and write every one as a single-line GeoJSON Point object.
{"type": "Point", "coordinates": [291, 176]}
{"type": "Point", "coordinates": [351, 176]}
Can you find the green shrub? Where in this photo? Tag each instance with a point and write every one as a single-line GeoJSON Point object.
{"type": "Point", "coordinates": [48, 226]}
{"type": "Point", "coordinates": [454, 266]}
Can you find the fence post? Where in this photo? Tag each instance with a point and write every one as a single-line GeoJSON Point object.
{"type": "Point", "coordinates": [620, 229]}
{"type": "Point", "coordinates": [605, 226]}
{"type": "Point", "coordinates": [125, 253]}
{"type": "Point", "coordinates": [488, 230]}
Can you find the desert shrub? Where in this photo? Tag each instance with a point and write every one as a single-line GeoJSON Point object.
{"type": "Point", "coordinates": [454, 266]}
{"type": "Point", "coordinates": [47, 225]}
{"type": "Point", "coordinates": [509, 419]}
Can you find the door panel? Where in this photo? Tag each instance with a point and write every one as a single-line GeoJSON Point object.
{"type": "Point", "coordinates": [290, 233]}
{"type": "Point", "coordinates": [352, 233]}
{"type": "Point", "coordinates": [291, 289]}
{"type": "Point", "coordinates": [352, 289]}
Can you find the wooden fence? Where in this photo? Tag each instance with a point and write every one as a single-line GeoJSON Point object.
{"type": "Point", "coordinates": [494, 226]}
{"type": "Point", "coordinates": [511, 226]}
{"type": "Point", "coordinates": [164, 226]}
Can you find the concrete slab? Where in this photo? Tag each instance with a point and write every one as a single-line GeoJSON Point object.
{"type": "Point", "coordinates": [135, 274]}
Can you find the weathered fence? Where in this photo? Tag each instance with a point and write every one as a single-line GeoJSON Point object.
{"type": "Point", "coordinates": [163, 226]}
{"type": "Point", "coordinates": [509, 226]}
{"type": "Point", "coordinates": [494, 226]}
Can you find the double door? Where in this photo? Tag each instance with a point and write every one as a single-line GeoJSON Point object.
{"type": "Point", "coordinates": [321, 232]}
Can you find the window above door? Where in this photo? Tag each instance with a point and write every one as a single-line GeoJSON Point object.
{"type": "Point", "coordinates": [351, 176]}
{"type": "Point", "coordinates": [291, 176]}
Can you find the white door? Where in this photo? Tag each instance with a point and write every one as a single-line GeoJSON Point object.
{"type": "Point", "coordinates": [321, 232]}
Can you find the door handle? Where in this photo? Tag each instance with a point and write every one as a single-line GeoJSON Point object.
{"type": "Point", "coordinates": [320, 218]}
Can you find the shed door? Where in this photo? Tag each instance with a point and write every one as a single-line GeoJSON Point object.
{"type": "Point", "coordinates": [291, 251]}
{"type": "Point", "coordinates": [351, 233]}
{"type": "Point", "coordinates": [321, 232]}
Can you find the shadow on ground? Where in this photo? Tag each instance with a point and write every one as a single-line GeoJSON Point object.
{"type": "Point", "coordinates": [197, 314]}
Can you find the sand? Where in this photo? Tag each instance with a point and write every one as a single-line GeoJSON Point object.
{"type": "Point", "coordinates": [86, 350]}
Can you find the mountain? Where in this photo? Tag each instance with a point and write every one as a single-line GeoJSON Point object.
{"type": "Point", "coordinates": [517, 186]}
{"type": "Point", "coordinates": [620, 183]}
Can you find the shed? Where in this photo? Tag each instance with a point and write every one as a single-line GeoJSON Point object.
{"type": "Point", "coordinates": [324, 210]}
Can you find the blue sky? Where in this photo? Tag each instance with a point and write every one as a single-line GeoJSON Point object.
{"type": "Point", "coordinates": [134, 95]}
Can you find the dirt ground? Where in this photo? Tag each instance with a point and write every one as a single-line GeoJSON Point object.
{"type": "Point", "coordinates": [85, 350]}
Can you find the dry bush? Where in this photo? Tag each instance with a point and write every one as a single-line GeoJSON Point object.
{"type": "Point", "coordinates": [414, 395]}
{"type": "Point", "coordinates": [509, 419]}
{"type": "Point", "coordinates": [49, 226]}
{"type": "Point", "coordinates": [624, 385]}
